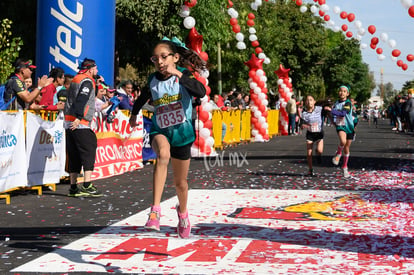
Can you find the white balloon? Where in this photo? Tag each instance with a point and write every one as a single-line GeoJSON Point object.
{"type": "Point", "coordinates": [254, 109]}
{"type": "Point", "coordinates": [336, 9]}
{"type": "Point", "coordinates": [261, 96]}
{"type": "Point", "coordinates": [265, 125]}
{"type": "Point", "coordinates": [257, 90]}
{"type": "Point", "coordinates": [198, 124]}
{"type": "Point", "coordinates": [185, 11]}
{"type": "Point", "coordinates": [258, 2]}
{"type": "Point", "coordinates": [207, 107]}
{"type": "Point", "coordinates": [358, 37]}
{"type": "Point", "coordinates": [209, 141]}
{"type": "Point", "coordinates": [283, 86]}
{"type": "Point", "coordinates": [303, 9]}
{"type": "Point", "coordinates": [279, 82]}
{"type": "Point", "coordinates": [255, 133]}
{"type": "Point", "coordinates": [384, 37]}
{"type": "Point", "coordinates": [336, 29]}
{"type": "Point", "coordinates": [263, 78]}
{"type": "Point", "coordinates": [267, 60]}
{"type": "Point", "coordinates": [392, 43]}
{"type": "Point", "coordinates": [205, 74]}
{"type": "Point", "coordinates": [287, 90]}
{"type": "Point", "coordinates": [363, 46]}
{"type": "Point", "coordinates": [257, 114]}
{"type": "Point", "coordinates": [261, 56]}
{"type": "Point", "coordinates": [290, 80]}
{"type": "Point", "coordinates": [252, 30]}
{"type": "Point", "coordinates": [265, 102]}
{"type": "Point", "coordinates": [241, 46]}
{"type": "Point", "coordinates": [361, 31]}
{"type": "Point", "coordinates": [331, 23]}
{"type": "Point", "coordinates": [381, 57]}
{"type": "Point", "coordinates": [407, 3]}
{"type": "Point", "coordinates": [204, 99]}
{"type": "Point", "coordinates": [314, 9]}
{"type": "Point", "coordinates": [253, 6]}
{"type": "Point", "coordinates": [233, 13]}
{"type": "Point", "coordinates": [204, 133]}
{"type": "Point", "coordinates": [253, 85]}
{"type": "Point", "coordinates": [239, 36]}
{"type": "Point", "coordinates": [325, 8]}
{"type": "Point", "coordinates": [260, 73]}
{"type": "Point", "coordinates": [283, 104]}
{"type": "Point", "coordinates": [262, 119]}
{"type": "Point", "coordinates": [258, 138]}
{"type": "Point", "coordinates": [189, 22]}
{"type": "Point", "coordinates": [393, 58]}
{"type": "Point", "coordinates": [358, 24]}
{"type": "Point", "coordinates": [252, 37]}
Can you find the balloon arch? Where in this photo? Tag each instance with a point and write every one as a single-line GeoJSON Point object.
{"type": "Point", "coordinates": [204, 144]}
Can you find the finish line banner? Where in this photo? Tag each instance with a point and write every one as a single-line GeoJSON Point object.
{"type": "Point", "coordinates": [12, 151]}
{"type": "Point", "coordinates": [119, 146]}
{"type": "Point", "coordinates": [46, 151]}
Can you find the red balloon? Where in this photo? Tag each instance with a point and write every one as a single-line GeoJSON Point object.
{"type": "Point", "coordinates": [351, 17]}
{"type": "Point", "coordinates": [299, 2]}
{"type": "Point", "coordinates": [404, 67]}
{"type": "Point", "coordinates": [233, 21]}
{"type": "Point", "coordinates": [374, 40]}
{"type": "Point", "coordinates": [326, 18]}
{"type": "Point", "coordinates": [258, 50]}
{"type": "Point", "coordinates": [203, 116]}
{"type": "Point", "coordinates": [251, 16]}
{"type": "Point", "coordinates": [396, 53]}
{"type": "Point", "coordinates": [265, 113]}
{"type": "Point", "coordinates": [321, 2]}
{"type": "Point", "coordinates": [349, 34]}
{"type": "Point", "coordinates": [255, 43]}
{"type": "Point", "coordinates": [379, 51]}
{"type": "Point", "coordinates": [343, 14]}
{"type": "Point", "coordinates": [204, 56]}
{"type": "Point", "coordinates": [208, 124]}
{"type": "Point", "coordinates": [250, 23]}
{"type": "Point", "coordinates": [266, 137]}
{"type": "Point", "coordinates": [373, 46]}
{"type": "Point", "coordinates": [321, 13]}
{"type": "Point", "coordinates": [236, 28]}
{"type": "Point", "coordinates": [344, 27]}
{"type": "Point", "coordinates": [190, 3]}
{"type": "Point", "coordinates": [400, 63]}
{"type": "Point", "coordinates": [201, 79]}
{"type": "Point", "coordinates": [199, 142]}
{"type": "Point", "coordinates": [208, 90]}
{"type": "Point", "coordinates": [410, 57]}
{"type": "Point", "coordinates": [254, 120]}
{"type": "Point", "coordinates": [411, 11]}
{"type": "Point", "coordinates": [207, 150]}
{"type": "Point", "coordinates": [371, 29]}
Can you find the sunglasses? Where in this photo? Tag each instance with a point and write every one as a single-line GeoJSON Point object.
{"type": "Point", "coordinates": [155, 58]}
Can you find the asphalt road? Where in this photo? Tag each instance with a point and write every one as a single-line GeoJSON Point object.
{"type": "Point", "coordinates": [34, 225]}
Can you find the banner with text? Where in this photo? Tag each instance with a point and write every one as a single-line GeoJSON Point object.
{"type": "Point", "coordinates": [12, 151]}
{"type": "Point", "coordinates": [46, 152]}
{"type": "Point", "coordinates": [119, 146]}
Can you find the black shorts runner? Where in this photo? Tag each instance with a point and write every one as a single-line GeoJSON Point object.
{"type": "Point", "coordinates": [180, 152]}
{"type": "Point", "coordinates": [349, 136]}
{"type": "Point", "coordinates": [314, 137]}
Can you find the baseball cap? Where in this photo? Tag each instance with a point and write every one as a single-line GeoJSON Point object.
{"type": "Point", "coordinates": [27, 64]}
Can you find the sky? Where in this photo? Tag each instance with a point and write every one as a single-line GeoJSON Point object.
{"type": "Point", "coordinates": [389, 17]}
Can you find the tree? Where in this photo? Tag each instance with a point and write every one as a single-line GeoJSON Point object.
{"type": "Point", "coordinates": [9, 49]}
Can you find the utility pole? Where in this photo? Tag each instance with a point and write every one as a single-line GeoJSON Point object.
{"type": "Point", "coordinates": [220, 86]}
{"type": "Point", "coordinates": [382, 87]}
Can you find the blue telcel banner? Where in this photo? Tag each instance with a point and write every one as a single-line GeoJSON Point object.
{"type": "Point", "coordinates": [69, 31]}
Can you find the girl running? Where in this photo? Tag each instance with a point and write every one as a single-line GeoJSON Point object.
{"type": "Point", "coordinates": [344, 120]}
{"type": "Point", "coordinates": [171, 89]}
{"type": "Point", "coordinates": [312, 121]}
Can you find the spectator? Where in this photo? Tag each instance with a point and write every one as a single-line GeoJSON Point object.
{"type": "Point", "coordinates": [16, 92]}
{"type": "Point", "coordinates": [101, 101]}
{"type": "Point", "coordinates": [61, 95]}
{"type": "Point", "coordinates": [58, 75]}
{"type": "Point", "coordinates": [291, 110]}
{"type": "Point", "coordinates": [125, 95]}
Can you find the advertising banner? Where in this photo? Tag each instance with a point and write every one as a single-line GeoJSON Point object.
{"type": "Point", "coordinates": [147, 153]}
{"type": "Point", "coordinates": [119, 146]}
{"type": "Point", "coordinates": [69, 31]}
{"type": "Point", "coordinates": [12, 151]}
{"type": "Point", "coordinates": [46, 152]}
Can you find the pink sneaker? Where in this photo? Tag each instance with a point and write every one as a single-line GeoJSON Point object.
{"type": "Point", "coordinates": [154, 218]}
{"type": "Point", "coordinates": [184, 226]}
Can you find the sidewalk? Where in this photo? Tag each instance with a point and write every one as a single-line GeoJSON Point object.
{"type": "Point", "coordinates": [381, 165]}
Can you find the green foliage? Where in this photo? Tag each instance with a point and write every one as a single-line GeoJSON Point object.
{"type": "Point", "coordinates": [9, 49]}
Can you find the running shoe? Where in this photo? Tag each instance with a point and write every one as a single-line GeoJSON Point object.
{"type": "Point", "coordinates": [90, 191]}
{"type": "Point", "coordinates": [153, 221]}
{"type": "Point", "coordinates": [184, 226]}
{"type": "Point", "coordinates": [346, 172]}
{"type": "Point", "coordinates": [335, 159]}
{"type": "Point", "coordinates": [74, 192]}
{"type": "Point", "coordinates": [311, 173]}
